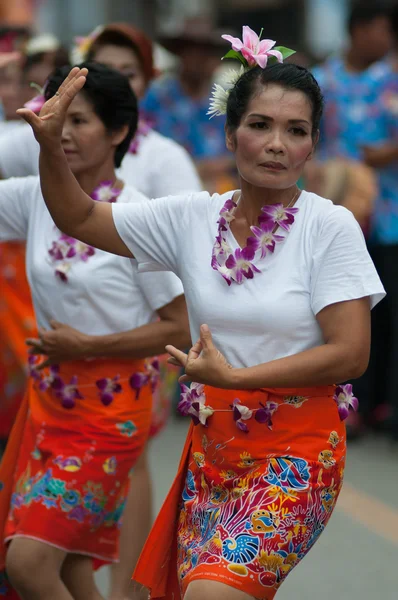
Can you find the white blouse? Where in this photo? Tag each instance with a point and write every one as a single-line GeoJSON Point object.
{"type": "Point", "coordinates": [323, 260]}
{"type": "Point", "coordinates": [103, 295]}
{"type": "Point", "coordinates": [161, 166]}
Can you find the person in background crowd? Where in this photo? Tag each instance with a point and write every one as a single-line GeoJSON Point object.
{"type": "Point", "coordinates": [42, 55]}
{"type": "Point", "coordinates": [382, 155]}
{"type": "Point", "coordinates": [178, 104]}
{"type": "Point", "coordinates": [354, 118]}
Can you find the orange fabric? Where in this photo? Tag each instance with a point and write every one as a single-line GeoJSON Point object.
{"type": "Point", "coordinates": [17, 322]}
{"type": "Point", "coordinates": [70, 465]}
{"type": "Point", "coordinates": [245, 508]}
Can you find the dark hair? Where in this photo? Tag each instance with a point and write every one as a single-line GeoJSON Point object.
{"type": "Point", "coordinates": [110, 94]}
{"type": "Point", "coordinates": [364, 12]}
{"type": "Point", "coordinates": [288, 76]}
{"type": "Point", "coordinates": [394, 20]}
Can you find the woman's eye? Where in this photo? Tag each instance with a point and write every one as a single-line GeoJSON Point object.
{"type": "Point", "coordinates": [298, 131]}
{"type": "Point", "coordinates": [259, 125]}
{"type": "Point", "coordinates": [78, 121]}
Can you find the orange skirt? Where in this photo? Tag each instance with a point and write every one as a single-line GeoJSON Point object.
{"type": "Point", "coordinates": [71, 452]}
{"type": "Point", "coordinates": [17, 322]}
{"type": "Point", "coordinates": [256, 486]}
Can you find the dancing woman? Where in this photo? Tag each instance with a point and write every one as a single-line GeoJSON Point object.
{"type": "Point", "coordinates": [279, 287]}
{"type": "Point", "coordinates": [87, 420]}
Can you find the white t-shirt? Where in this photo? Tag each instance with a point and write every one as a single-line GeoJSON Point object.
{"type": "Point", "coordinates": [161, 166]}
{"type": "Point", "coordinates": [104, 295]}
{"type": "Point", "coordinates": [323, 260]}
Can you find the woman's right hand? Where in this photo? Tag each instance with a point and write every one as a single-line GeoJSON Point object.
{"type": "Point", "coordinates": [47, 127]}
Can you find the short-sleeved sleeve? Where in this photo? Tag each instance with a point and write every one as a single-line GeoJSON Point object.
{"type": "Point", "coordinates": [152, 231]}
{"type": "Point", "coordinates": [16, 198]}
{"type": "Point", "coordinates": [342, 268]}
{"type": "Point", "coordinates": [19, 153]}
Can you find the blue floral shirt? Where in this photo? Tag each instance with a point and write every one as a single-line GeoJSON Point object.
{"type": "Point", "coordinates": [358, 113]}
{"type": "Point", "coordinates": [179, 117]}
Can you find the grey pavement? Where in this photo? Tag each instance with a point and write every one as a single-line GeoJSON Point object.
{"type": "Point", "coordinates": [356, 557]}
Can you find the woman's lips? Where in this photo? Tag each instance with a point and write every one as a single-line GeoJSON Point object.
{"type": "Point", "coordinates": [273, 166]}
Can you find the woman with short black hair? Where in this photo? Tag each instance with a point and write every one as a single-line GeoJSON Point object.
{"type": "Point", "coordinates": [85, 420]}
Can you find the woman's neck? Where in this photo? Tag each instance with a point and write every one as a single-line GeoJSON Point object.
{"type": "Point", "coordinates": [251, 200]}
{"type": "Point", "coordinates": [90, 179]}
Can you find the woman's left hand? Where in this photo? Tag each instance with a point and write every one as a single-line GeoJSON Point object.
{"type": "Point", "coordinates": [48, 126]}
{"type": "Point", "coordinates": [204, 363]}
{"type": "Point", "coordinates": [61, 343]}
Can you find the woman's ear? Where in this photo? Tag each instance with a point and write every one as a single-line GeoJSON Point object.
{"type": "Point", "coordinates": [230, 139]}
{"type": "Point", "coordinates": [314, 145]}
{"type": "Point", "coordinates": [119, 135]}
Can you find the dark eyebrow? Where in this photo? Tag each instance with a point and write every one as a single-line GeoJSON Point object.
{"type": "Point", "coordinates": [292, 121]}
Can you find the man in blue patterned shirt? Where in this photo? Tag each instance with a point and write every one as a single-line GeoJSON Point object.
{"type": "Point", "coordinates": [356, 124]}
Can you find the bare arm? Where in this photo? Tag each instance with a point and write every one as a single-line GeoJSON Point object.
{"type": "Point", "coordinates": [63, 343]}
{"type": "Point", "coordinates": [73, 211]}
{"type": "Point", "coordinates": [380, 156]}
{"type": "Point", "coordinates": [344, 355]}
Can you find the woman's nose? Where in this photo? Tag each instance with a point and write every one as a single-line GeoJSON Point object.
{"type": "Point", "coordinates": [275, 143]}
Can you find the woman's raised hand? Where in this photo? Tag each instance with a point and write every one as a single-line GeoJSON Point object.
{"type": "Point", "coordinates": [204, 363]}
{"type": "Point", "coordinates": [47, 127]}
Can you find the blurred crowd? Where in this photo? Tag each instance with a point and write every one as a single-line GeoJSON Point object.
{"type": "Point", "coordinates": [356, 162]}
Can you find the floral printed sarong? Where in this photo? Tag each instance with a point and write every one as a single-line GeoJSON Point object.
{"type": "Point", "coordinates": [247, 505]}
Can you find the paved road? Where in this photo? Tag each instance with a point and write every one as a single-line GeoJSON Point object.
{"type": "Point", "coordinates": [356, 557]}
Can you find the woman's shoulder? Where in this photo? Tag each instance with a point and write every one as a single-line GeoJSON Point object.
{"type": "Point", "coordinates": [325, 218]}
{"type": "Point", "coordinates": [192, 199]}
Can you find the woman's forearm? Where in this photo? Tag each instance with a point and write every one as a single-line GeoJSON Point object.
{"type": "Point", "coordinates": [142, 342]}
{"type": "Point", "coordinates": [323, 365]}
{"type": "Point", "coordinates": [68, 204]}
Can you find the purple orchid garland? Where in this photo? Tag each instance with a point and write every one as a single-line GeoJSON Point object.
{"type": "Point", "coordinates": [143, 129]}
{"type": "Point", "coordinates": [193, 404]}
{"type": "Point", "coordinates": [107, 387]}
{"type": "Point", "coordinates": [238, 265]}
{"type": "Point", "coordinates": [67, 250]}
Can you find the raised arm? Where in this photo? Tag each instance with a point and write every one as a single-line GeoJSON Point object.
{"type": "Point", "coordinates": [73, 211]}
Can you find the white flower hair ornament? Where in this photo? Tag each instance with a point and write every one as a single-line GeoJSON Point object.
{"type": "Point", "coordinates": [251, 51]}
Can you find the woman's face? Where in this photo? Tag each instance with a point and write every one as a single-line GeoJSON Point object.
{"type": "Point", "coordinates": [125, 61]}
{"type": "Point", "coordinates": [273, 141]}
{"type": "Point", "coordinates": [85, 140]}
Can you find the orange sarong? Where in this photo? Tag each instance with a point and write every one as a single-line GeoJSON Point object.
{"type": "Point", "coordinates": [17, 322]}
{"type": "Point", "coordinates": [64, 476]}
{"type": "Point", "coordinates": [255, 488]}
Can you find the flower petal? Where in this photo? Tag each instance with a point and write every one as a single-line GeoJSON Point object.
{"type": "Point", "coordinates": [250, 38]}
{"type": "Point", "coordinates": [261, 60]}
{"type": "Point", "coordinates": [265, 46]}
{"type": "Point", "coordinates": [236, 43]}
{"type": "Point", "coordinates": [278, 55]}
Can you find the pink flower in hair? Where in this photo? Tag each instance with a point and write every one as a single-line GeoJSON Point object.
{"type": "Point", "coordinates": [254, 50]}
{"type": "Point", "coordinates": [36, 104]}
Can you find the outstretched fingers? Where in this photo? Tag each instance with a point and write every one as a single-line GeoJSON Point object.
{"type": "Point", "coordinates": [179, 358]}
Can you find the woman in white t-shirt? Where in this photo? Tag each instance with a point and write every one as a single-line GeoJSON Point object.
{"type": "Point", "coordinates": [129, 51]}
{"type": "Point", "coordinates": [64, 476]}
{"type": "Point", "coordinates": [283, 281]}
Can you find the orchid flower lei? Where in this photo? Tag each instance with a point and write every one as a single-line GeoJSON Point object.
{"type": "Point", "coordinates": [251, 51]}
{"type": "Point", "coordinates": [238, 266]}
{"type": "Point", "coordinates": [67, 250]}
